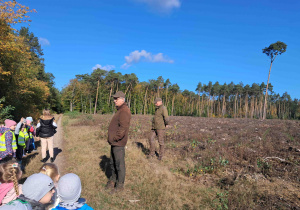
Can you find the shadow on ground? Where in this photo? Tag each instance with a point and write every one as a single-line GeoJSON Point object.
{"type": "Point", "coordinates": [105, 166]}
{"type": "Point", "coordinates": [142, 147]}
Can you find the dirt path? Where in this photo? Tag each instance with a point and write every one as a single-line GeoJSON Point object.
{"type": "Point", "coordinates": [58, 146]}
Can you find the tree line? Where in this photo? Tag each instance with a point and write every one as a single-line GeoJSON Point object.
{"type": "Point", "coordinates": [91, 93]}
{"type": "Point", "coordinates": [25, 87]}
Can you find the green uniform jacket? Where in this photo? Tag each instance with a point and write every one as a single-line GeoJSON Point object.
{"type": "Point", "coordinates": [161, 118]}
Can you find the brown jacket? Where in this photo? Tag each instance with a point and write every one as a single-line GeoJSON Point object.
{"type": "Point", "coordinates": [119, 126]}
{"type": "Point", "coordinates": [161, 118]}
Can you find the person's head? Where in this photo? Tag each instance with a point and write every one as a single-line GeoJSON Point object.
{"type": "Point", "coordinates": [28, 122]}
{"type": "Point", "coordinates": [10, 124]}
{"type": "Point", "coordinates": [158, 102]}
{"type": "Point", "coordinates": [46, 114]}
{"type": "Point", "coordinates": [119, 98]}
{"type": "Point", "coordinates": [38, 187]}
{"type": "Point", "coordinates": [30, 119]}
{"type": "Point", "coordinates": [10, 172]}
{"type": "Point", "coordinates": [69, 188]}
{"type": "Point", "coordinates": [51, 170]}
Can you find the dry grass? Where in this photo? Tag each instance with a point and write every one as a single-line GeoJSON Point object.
{"type": "Point", "coordinates": [209, 164]}
{"type": "Point", "coordinates": [148, 182]}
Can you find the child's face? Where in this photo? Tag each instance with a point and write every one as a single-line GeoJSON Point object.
{"type": "Point", "coordinates": [47, 198]}
{"type": "Point", "coordinates": [13, 127]}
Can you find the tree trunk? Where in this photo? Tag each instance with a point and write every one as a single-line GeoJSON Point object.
{"type": "Point", "coordinates": [111, 88]}
{"type": "Point", "coordinates": [235, 105]}
{"type": "Point", "coordinates": [145, 102]}
{"type": "Point", "coordinates": [173, 100]}
{"type": "Point", "coordinates": [252, 107]}
{"type": "Point", "coordinates": [90, 104]}
{"type": "Point", "coordinates": [96, 97]}
{"type": "Point", "coordinates": [246, 106]}
{"type": "Point", "coordinates": [223, 106]}
{"type": "Point", "coordinates": [266, 95]}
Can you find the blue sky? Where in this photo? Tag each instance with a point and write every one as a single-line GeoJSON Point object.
{"type": "Point", "coordinates": [187, 41]}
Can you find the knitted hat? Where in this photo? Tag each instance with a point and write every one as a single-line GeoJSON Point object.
{"type": "Point", "coordinates": [29, 118]}
{"type": "Point", "coordinates": [37, 186]}
{"type": "Point", "coordinates": [9, 123]}
{"type": "Point", "coordinates": [69, 188]}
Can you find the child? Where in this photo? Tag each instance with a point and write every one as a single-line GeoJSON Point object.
{"type": "Point", "coordinates": [51, 170]}
{"type": "Point", "coordinates": [10, 174]}
{"type": "Point", "coordinates": [38, 190]}
{"type": "Point", "coordinates": [30, 146]}
{"type": "Point", "coordinates": [8, 143]}
{"type": "Point", "coordinates": [69, 190]}
{"type": "Point", "coordinates": [21, 136]}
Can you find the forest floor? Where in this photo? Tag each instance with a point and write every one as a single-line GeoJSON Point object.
{"type": "Point", "coordinates": [210, 163]}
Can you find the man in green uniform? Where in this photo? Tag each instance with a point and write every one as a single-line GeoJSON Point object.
{"type": "Point", "coordinates": [159, 123]}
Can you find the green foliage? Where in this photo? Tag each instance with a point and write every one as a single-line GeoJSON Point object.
{"type": "Point", "coordinates": [221, 201]}
{"type": "Point", "coordinates": [5, 111]}
{"type": "Point", "coordinates": [264, 166]}
{"type": "Point", "coordinates": [275, 49]}
{"type": "Point", "coordinates": [194, 143]}
{"type": "Point", "coordinates": [72, 115]}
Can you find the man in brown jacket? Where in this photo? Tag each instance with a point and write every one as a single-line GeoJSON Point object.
{"type": "Point", "coordinates": [159, 123]}
{"type": "Point", "coordinates": [117, 138]}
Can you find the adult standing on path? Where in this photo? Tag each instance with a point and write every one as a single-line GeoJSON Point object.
{"type": "Point", "coordinates": [117, 138]}
{"type": "Point", "coordinates": [159, 123]}
{"type": "Point", "coordinates": [45, 129]}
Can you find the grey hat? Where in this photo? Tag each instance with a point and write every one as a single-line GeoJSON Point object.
{"type": "Point", "coordinates": [37, 186]}
{"type": "Point", "coordinates": [156, 100]}
{"type": "Point", "coordinates": [69, 188]}
{"type": "Point", "coordinates": [119, 94]}
{"type": "Point", "coordinates": [29, 118]}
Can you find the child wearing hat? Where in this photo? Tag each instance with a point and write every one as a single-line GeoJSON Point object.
{"type": "Point", "coordinates": [37, 190]}
{"type": "Point", "coordinates": [69, 190]}
{"type": "Point", "coordinates": [8, 143]}
{"type": "Point", "coordinates": [30, 145]}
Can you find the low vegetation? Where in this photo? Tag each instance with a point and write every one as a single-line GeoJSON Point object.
{"type": "Point", "coordinates": [210, 163]}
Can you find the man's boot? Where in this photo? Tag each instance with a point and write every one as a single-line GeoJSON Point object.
{"type": "Point", "coordinates": [152, 150]}
{"type": "Point", "coordinates": [119, 188]}
{"type": "Point", "coordinates": [110, 185]}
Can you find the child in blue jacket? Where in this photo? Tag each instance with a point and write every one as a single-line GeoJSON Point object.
{"type": "Point", "coordinates": [69, 190]}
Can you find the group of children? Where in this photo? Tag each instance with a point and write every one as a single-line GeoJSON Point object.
{"type": "Point", "coordinates": [16, 139]}
{"type": "Point", "coordinates": [40, 191]}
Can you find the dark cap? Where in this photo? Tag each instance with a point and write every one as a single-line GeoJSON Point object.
{"type": "Point", "coordinates": [157, 100]}
{"type": "Point", "coordinates": [119, 94]}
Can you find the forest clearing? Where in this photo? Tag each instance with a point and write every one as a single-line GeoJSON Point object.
{"type": "Point", "coordinates": [210, 163]}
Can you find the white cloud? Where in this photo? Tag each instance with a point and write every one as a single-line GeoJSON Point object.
{"type": "Point", "coordinates": [43, 41]}
{"type": "Point", "coordinates": [107, 67]}
{"type": "Point", "coordinates": [162, 5]}
{"type": "Point", "coordinates": [144, 56]}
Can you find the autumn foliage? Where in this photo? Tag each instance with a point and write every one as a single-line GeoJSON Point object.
{"type": "Point", "coordinates": [21, 67]}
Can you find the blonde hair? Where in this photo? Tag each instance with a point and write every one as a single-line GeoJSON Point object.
{"type": "Point", "coordinates": [50, 169]}
{"type": "Point", "coordinates": [46, 115]}
{"type": "Point", "coordinates": [11, 172]}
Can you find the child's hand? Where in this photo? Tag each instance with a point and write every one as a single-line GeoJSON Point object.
{"type": "Point", "coordinates": [22, 119]}
{"type": "Point", "coordinates": [14, 151]}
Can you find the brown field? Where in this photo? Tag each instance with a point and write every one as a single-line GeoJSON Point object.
{"type": "Point", "coordinates": [210, 163]}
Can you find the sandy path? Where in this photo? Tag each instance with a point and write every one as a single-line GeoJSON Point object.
{"type": "Point", "coordinates": [58, 146]}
